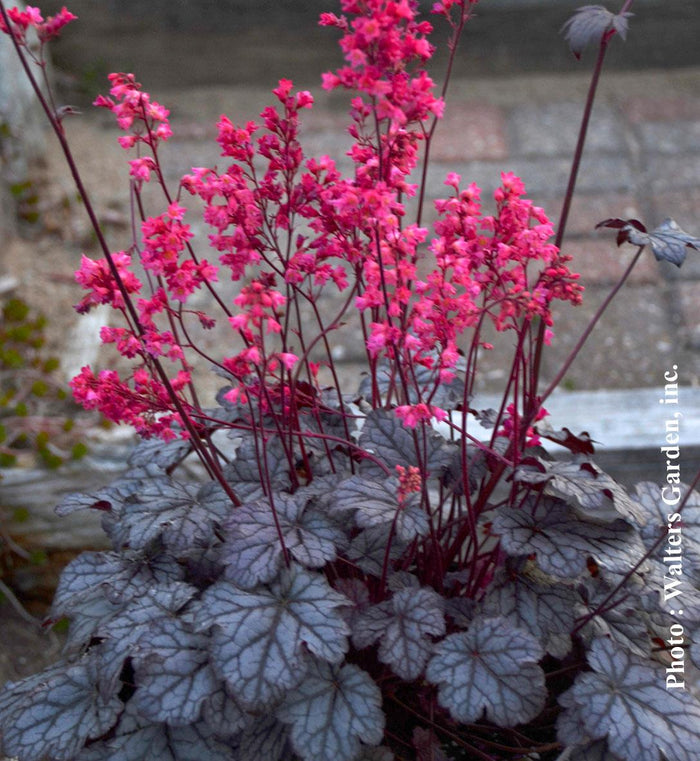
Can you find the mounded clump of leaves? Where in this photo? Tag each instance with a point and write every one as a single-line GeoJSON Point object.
{"type": "Point", "coordinates": [358, 574]}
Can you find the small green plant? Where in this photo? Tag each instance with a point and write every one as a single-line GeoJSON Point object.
{"type": "Point", "coordinates": [34, 425]}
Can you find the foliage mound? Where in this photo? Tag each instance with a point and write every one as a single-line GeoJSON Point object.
{"type": "Point", "coordinates": [364, 573]}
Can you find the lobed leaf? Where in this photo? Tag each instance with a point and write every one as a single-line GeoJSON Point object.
{"type": "Point", "coordinates": [394, 444]}
{"type": "Point", "coordinates": [253, 550]}
{"type": "Point", "coordinates": [172, 513]}
{"type": "Point", "coordinates": [668, 241]}
{"type": "Point", "coordinates": [221, 712]}
{"type": "Point", "coordinates": [136, 739]}
{"type": "Point", "coordinates": [376, 503]}
{"type": "Point", "coordinates": [251, 467]}
{"type": "Point", "coordinates": [425, 383]}
{"type": "Point", "coordinates": [585, 486]}
{"type": "Point", "coordinates": [266, 739]}
{"type": "Point", "coordinates": [134, 622]}
{"type": "Point", "coordinates": [619, 616]}
{"type": "Point", "coordinates": [112, 498]}
{"type": "Point", "coordinates": [173, 675]}
{"type": "Point", "coordinates": [119, 577]}
{"type": "Point", "coordinates": [624, 698]}
{"type": "Point", "coordinates": [590, 23]}
{"type": "Point", "coordinates": [404, 625]}
{"type": "Point", "coordinates": [331, 711]}
{"type": "Point", "coordinates": [492, 670]}
{"type": "Point", "coordinates": [164, 454]}
{"type": "Point", "coordinates": [546, 611]}
{"type": "Point", "coordinates": [369, 548]}
{"type": "Point", "coordinates": [53, 713]}
{"type": "Point", "coordinates": [260, 637]}
{"type": "Point", "coordinates": [657, 513]}
{"type": "Point", "coordinates": [563, 542]}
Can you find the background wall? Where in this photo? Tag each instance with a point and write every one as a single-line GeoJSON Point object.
{"type": "Point", "coordinates": [249, 41]}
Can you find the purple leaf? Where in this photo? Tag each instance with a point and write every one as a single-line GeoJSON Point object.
{"type": "Point", "coordinates": [331, 711]}
{"type": "Point", "coordinates": [620, 616]}
{"type": "Point", "coordinates": [649, 499]}
{"type": "Point", "coordinates": [582, 484]}
{"type": "Point", "coordinates": [173, 674]}
{"type": "Point", "coordinates": [590, 23]}
{"type": "Point", "coordinates": [137, 739]}
{"type": "Point", "coordinates": [376, 503]}
{"type": "Point", "coordinates": [563, 542]}
{"type": "Point", "coordinates": [253, 550]}
{"type": "Point", "coordinates": [53, 713]}
{"type": "Point", "coordinates": [625, 698]}
{"type": "Point", "coordinates": [117, 577]}
{"type": "Point", "coordinates": [266, 739]}
{"type": "Point", "coordinates": [546, 611]}
{"type": "Point", "coordinates": [260, 637]}
{"type": "Point", "coordinates": [221, 712]}
{"type": "Point", "coordinates": [385, 436]}
{"type": "Point", "coordinates": [403, 625]}
{"type": "Point", "coordinates": [668, 242]}
{"type": "Point", "coordinates": [490, 670]}
{"type": "Point", "coordinates": [368, 548]}
{"type": "Point", "coordinates": [136, 621]}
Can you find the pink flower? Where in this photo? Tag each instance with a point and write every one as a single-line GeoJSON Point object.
{"type": "Point", "coordinates": [96, 277]}
{"type": "Point", "coordinates": [413, 414]}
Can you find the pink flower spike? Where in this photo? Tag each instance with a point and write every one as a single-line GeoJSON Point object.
{"type": "Point", "coordinates": [53, 25]}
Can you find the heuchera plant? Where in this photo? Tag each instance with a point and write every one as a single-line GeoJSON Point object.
{"type": "Point", "coordinates": [358, 575]}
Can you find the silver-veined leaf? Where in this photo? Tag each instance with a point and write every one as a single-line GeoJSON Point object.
{"type": "Point", "coordinates": [265, 739]}
{"type": "Point", "coordinates": [137, 739]}
{"type": "Point", "coordinates": [590, 23]}
{"type": "Point", "coordinates": [331, 711]}
{"type": "Point", "coordinates": [253, 551]}
{"type": "Point", "coordinates": [171, 512]}
{"type": "Point", "coordinates": [563, 542]}
{"type": "Point", "coordinates": [376, 503]}
{"type": "Point", "coordinates": [687, 528]}
{"type": "Point", "coordinates": [221, 712]}
{"type": "Point", "coordinates": [173, 675]}
{"type": "Point", "coordinates": [624, 698]}
{"type": "Point", "coordinates": [120, 577]}
{"type": "Point", "coordinates": [587, 488]}
{"type": "Point", "coordinates": [403, 625]}
{"type": "Point", "coordinates": [261, 636]}
{"type": "Point", "coordinates": [53, 713]}
{"type": "Point", "coordinates": [490, 670]}
{"type": "Point", "coordinates": [667, 241]}
{"type": "Point", "coordinates": [135, 622]}
{"type": "Point", "coordinates": [546, 611]}
{"type": "Point", "coordinates": [368, 549]}
{"type": "Point", "coordinates": [394, 444]}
